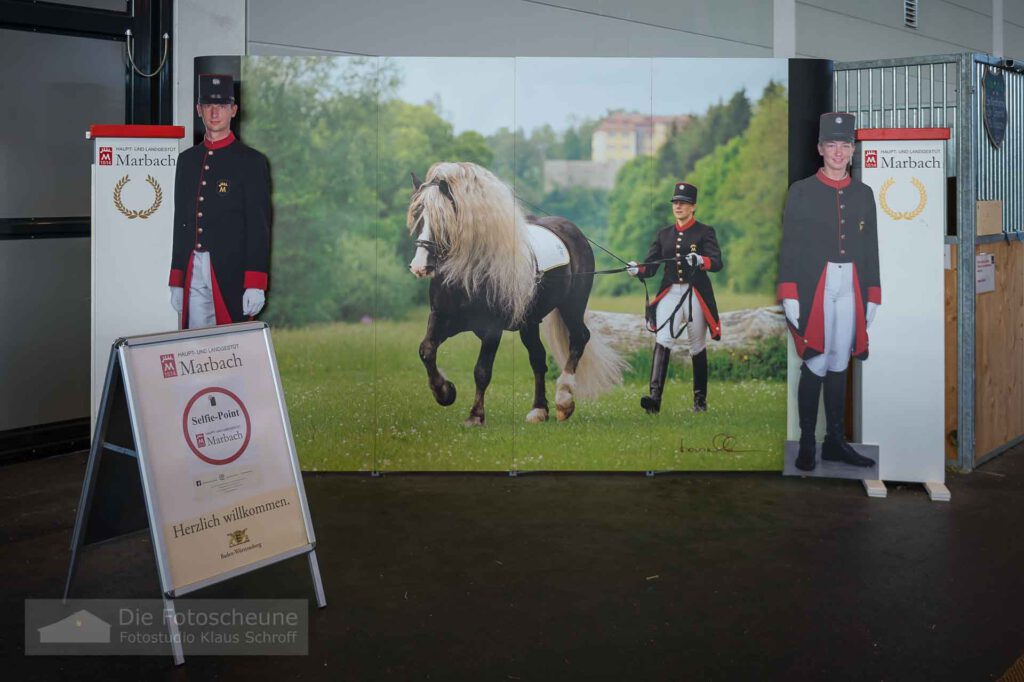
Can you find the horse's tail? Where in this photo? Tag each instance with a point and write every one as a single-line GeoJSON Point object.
{"type": "Point", "coordinates": [600, 368]}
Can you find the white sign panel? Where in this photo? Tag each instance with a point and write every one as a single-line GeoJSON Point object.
{"type": "Point", "coordinates": [132, 216]}
{"type": "Point", "coordinates": [903, 380]}
{"type": "Point", "coordinates": [214, 443]}
{"type": "Point", "coordinates": [984, 273]}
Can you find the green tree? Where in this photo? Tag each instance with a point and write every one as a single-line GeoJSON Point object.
{"type": "Point", "coordinates": [584, 206]}
{"type": "Point", "coordinates": [635, 210]}
{"type": "Point", "coordinates": [743, 188]}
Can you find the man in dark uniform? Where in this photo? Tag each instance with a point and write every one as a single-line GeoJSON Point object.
{"type": "Point", "coordinates": [221, 250]}
{"type": "Point", "coordinates": [693, 251]}
{"type": "Point", "coordinates": [829, 286]}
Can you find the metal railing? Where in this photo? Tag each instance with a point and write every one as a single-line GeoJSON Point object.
{"type": "Point", "coordinates": [902, 93]}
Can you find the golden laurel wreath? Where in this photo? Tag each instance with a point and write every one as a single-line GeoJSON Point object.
{"type": "Point", "coordinates": [129, 213]}
{"type": "Point", "coordinates": [903, 215]}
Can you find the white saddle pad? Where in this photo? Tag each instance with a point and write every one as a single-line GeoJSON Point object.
{"type": "Point", "coordinates": [549, 250]}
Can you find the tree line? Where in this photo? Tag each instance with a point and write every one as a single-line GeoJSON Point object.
{"type": "Point", "coordinates": [342, 147]}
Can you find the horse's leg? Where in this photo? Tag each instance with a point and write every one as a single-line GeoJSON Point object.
{"type": "Point", "coordinates": [530, 335]}
{"type": "Point", "coordinates": [489, 341]}
{"type": "Point", "coordinates": [579, 335]}
{"type": "Point", "coordinates": [437, 331]}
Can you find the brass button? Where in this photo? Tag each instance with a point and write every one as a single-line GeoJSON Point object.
{"type": "Point", "coordinates": [842, 236]}
{"type": "Point", "coordinates": [840, 191]}
{"type": "Point", "coordinates": [842, 251]}
{"type": "Point", "coordinates": [198, 245]}
{"type": "Point", "coordinates": [203, 183]}
{"type": "Point", "coordinates": [200, 230]}
{"type": "Point", "coordinates": [202, 199]}
{"type": "Point", "coordinates": [210, 152]}
{"type": "Point", "coordinates": [206, 168]}
{"type": "Point", "coordinates": [842, 222]}
{"type": "Point", "coordinates": [842, 205]}
{"type": "Point", "coordinates": [200, 215]}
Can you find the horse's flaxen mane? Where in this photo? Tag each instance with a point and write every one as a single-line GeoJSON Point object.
{"type": "Point", "coordinates": [482, 236]}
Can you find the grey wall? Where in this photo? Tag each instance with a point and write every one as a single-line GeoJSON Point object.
{"type": "Point", "coordinates": [831, 29]}
{"type": "Point", "coordinates": [592, 28]}
{"type": "Point", "coordinates": [44, 347]}
{"type": "Point", "coordinates": [873, 29]}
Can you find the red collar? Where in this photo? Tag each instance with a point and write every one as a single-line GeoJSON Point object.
{"type": "Point", "coordinates": [834, 184]}
{"type": "Point", "coordinates": [221, 143]}
{"type": "Point", "coordinates": [686, 226]}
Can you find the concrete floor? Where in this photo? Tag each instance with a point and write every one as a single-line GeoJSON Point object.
{"type": "Point", "coordinates": [573, 577]}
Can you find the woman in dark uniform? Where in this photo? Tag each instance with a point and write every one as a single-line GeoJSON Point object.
{"type": "Point", "coordinates": [693, 251]}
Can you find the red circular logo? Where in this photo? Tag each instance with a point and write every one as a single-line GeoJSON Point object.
{"type": "Point", "coordinates": [218, 428]}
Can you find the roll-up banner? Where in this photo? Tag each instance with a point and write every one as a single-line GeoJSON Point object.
{"type": "Point", "coordinates": [902, 388]}
{"type": "Point", "coordinates": [132, 215]}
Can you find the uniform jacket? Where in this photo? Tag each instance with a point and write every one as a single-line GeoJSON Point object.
{"type": "Point", "coordinates": [222, 205]}
{"type": "Point", "coordinates": [828, 221]}
{"type": "Point", "coordinates": [676, 241]}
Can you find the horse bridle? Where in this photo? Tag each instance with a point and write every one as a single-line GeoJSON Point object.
{"type": "Point", "coordinates": [432, 248]}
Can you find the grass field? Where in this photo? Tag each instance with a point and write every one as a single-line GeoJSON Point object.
{"type": "Point", "coordinates": [358, 400]}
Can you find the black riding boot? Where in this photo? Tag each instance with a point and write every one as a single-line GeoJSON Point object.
{"type": "Point", "coordinates": [835, 448]}
{"type": "Point", "coordinates": [807, 393]}
{"type": "Point", "coordinates": [700, 381]}
{"type": "Point", "coordinates": [659, 371]}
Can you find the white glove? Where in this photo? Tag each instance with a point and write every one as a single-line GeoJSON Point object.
{"type": "Point", "coordinates": [695, 259]}
{"type": "Point", "coordinates": [872, 307]}
{"type": "Point", "coordinates": [252, 302]}
{"type": "Point", "coordinates": [792, 308]}
{"type": "Point", "coordinates": [177, 298]}
{"type": "Point", "coordinates": [633, 268]}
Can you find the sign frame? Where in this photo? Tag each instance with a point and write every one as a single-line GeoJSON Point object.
{"type": "Point", "coordinates": [96, 523]}
{"type": "Point", "coordinates": [920, 457]}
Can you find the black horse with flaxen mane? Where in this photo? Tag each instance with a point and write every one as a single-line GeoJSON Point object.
{"type": "Point", "coordinates": [472, 238]}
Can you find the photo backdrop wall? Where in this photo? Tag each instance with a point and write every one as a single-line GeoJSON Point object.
{"type": "Point", "coordinates": [598, 141]}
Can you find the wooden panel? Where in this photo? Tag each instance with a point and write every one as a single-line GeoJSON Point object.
{"type": "Point", "coordinates": [999, 345]}
{"type": "Point", "coordinates": [952, 414]}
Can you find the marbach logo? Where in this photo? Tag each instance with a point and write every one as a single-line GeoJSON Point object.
{"type": "Point", "coordinates": [201, 440]}
{"type": "Point", "coordinates": [106, 156]}
{"type": "Point", "coordinates": [167, 363]}
{"type": "Point", "coordinates": [870, 158]}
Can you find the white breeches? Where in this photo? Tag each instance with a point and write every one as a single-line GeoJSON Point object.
{"type": "Point", "coordinates": [696, 332]}
{"type": "Point", "coordinates": [200, 293]}
{"type": "Point", "coordinates": [840, 321]}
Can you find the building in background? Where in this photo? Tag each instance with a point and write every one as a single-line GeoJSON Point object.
{"type": "Point", "coordinates": [623, 136]}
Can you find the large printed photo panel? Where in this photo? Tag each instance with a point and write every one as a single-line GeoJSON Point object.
{"type": "Point", "coordinates": [464, 252]}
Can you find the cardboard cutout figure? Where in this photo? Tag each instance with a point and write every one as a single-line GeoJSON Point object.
{"type": "Point", "coordinates": [686, 299]}
{"type": "Point", "coordinates": [829, 286]}
{"type": "Point", "coordinates": [221, 247]}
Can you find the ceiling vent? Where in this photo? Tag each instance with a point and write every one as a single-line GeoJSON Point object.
{"type": "Point", "coordinates": [910, 13]}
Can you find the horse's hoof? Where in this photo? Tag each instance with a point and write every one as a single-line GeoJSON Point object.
{"type": "Point", "coordinates": [537, 415]}
{"type": "Point", "coordinates": [474, 421]}
{"type": "Point", "coordinates": [565, 412]}
{"type": "Point", "coordinates": [445, 396]}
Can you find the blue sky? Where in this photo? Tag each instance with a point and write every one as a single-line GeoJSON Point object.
{"type": "Point", "coordinates": [485, 94]}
